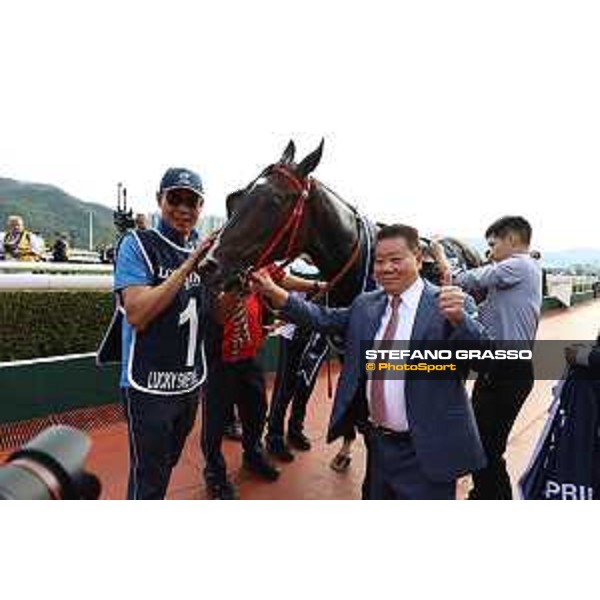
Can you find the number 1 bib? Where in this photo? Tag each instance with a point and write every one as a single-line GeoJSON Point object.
{"type": "Point", "coordinates": [168, 358]}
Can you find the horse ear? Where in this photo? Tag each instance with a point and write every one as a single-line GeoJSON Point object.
{"type": "Point", "coordinates": [310, 162]}
{"type": "Point", "coordinates": [289, 153]}
{"type": "Point", "coordinates": [231, 201]}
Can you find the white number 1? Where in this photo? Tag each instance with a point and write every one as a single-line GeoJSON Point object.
{"type": "Point", "coordinates": [190, 314]}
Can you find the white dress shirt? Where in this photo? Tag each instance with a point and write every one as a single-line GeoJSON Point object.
{"type": "Point", "coordinates": [395, 399]}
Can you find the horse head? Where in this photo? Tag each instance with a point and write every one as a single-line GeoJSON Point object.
{"type": "Point", "coordinates": [265, 220]}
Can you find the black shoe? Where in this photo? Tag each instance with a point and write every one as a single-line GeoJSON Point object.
{"type": "Point", "coordinates": [298, 440]}
{"type": "Point", "coordinates": [221, 490]}
{"type": "Point", "coordinates": [260, 465]}
{"type": "Point", "coordinates": [233, 431]}
{"type": "Point", "coordinates": [278, 448]}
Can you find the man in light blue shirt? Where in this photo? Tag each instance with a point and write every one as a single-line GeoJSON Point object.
{"type": "Point", "coordinates": [132, 270]}
{"type": "Point", "coordinates": [165, 310]}
{"type": "Point", "coordinates": [512, 284]}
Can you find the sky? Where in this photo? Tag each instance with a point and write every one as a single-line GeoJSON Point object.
{"type": "Point", "coordinates": [444, 115]}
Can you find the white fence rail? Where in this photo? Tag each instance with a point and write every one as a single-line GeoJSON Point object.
{"type": "Point", "coordinates": [52, 267]}
{"type": "Point", "coordinates": [39, 276]}
{"type": "Point", "coordinates": [68, 276]}
{"type": "Point", "coordinates": [563, 287]}
{"type": "Point", "coordinates": [10, 282]}
{"type": "Point", "coordinates": [78, 255]}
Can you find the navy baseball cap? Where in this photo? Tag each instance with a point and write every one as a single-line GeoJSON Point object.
{"type": "Point", "coordinates": [178, 178]}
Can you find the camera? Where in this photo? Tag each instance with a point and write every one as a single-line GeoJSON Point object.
{"type": "Point", "coordinates": [50, 467]}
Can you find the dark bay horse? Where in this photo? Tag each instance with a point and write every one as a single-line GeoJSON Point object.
{"type": "Point", "coordinates": [278, 216]}
{"type": "Point", "coordinates": [285, 212]}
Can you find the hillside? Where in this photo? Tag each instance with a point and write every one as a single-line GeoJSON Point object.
{"type": "Point", "coordinates": [48, 209]}
{"type": "Point", "coordinates": [556, 258]}
{"type": "Point", "coordinates": [578, 256]}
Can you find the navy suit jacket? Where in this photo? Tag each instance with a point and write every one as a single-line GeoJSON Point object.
{"type": "Point", "coordinates": [594, 360]}
{"type": "Point", "coordinates": [439, 412]}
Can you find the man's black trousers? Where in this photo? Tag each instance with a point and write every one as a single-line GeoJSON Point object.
{"type": "Point", "coordinates": [243, 383]}
{"type": "Point", "coordinates": [497, 399]}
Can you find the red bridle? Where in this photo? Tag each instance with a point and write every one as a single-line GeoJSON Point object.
{"type": "Point", "coordinates": [293, 224]}
{"type": "Point", "coordinates": [293, 221]}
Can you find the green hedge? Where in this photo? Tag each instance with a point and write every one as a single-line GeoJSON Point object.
{"type": "Point", "coordinates": [40, 324]}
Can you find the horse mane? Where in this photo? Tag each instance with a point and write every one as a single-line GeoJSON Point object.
{"type": "Point", "coordinates": [351, 207]}
{"type": "Point", "coordinates": [470, 255]}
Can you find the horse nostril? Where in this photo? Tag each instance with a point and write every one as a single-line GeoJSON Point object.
{"type": "Point", "coordinates": [208, 264]}
{"type": "Point", "coordinates": [208, 269]}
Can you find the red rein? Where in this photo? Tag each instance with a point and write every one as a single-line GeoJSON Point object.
{"type": "Point", "coordinates": [293, 222]}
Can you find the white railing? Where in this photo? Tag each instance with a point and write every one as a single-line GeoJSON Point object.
{"type": "Point", "coordinates": [78, 255]}
{"type": "Point", "coordinates": [40, 276]}
{"type": "Point", "coordinates": [563, 287]}
{"type": "Point", "coordinates": [7, 266]}
{"type": "Point", "coordinates": [575, 279]}
{"type": "Point", "coordinates": [10, 282]}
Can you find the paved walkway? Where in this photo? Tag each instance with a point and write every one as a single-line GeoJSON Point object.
{"type": "Point", "coordinates": [309, 476]}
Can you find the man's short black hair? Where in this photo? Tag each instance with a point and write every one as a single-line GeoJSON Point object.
{"type": "Point", "coordinates": [510, 224]}
{"type": "Point", "coordinates": [406, 232]}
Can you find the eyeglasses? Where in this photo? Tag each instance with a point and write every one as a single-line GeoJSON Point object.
{"type": "Point", "coordinates": [189, 198]}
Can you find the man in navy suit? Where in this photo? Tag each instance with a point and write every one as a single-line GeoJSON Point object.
{"type": "Point", "coordinates": [420, 432]}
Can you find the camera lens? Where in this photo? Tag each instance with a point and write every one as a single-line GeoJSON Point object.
{"type": "Point", "coordinates": [50, 467]}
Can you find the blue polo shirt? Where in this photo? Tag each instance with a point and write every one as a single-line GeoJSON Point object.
{"type": "Point", "coordinates": [132, 269]}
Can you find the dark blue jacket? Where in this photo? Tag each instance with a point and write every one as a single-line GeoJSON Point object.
{"type": "Point", "coordinates": [564, 463]}
{"type": "Point", "coordinates": [439, 412]}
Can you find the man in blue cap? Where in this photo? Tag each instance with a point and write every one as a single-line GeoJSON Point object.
{"type": "Point", "coordinates": [166, 308]}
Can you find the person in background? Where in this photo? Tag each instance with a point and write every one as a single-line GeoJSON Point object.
{"type": "Point", "coordinates": [585, 355]}
{"type": "Point", "coordinates": [60, 248]}
{"type": "Point", "coordinates": [108, 255]}
{"type": "Point", "coordinates": [18, 243]}
{"type": "Point", "coordinates": [510, 312]}
{"type": "Point", "coordinates": [588, 357]}
{"type": "Point", "coordinates": [537, 255]}
{"type": "Point", "coordinates": [288, 388]}
{"type": "Point", "coordinates": [236, 378]}
{"type": "Point", "coordinates": [141, 222]}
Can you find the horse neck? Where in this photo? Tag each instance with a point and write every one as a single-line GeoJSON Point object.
{"type": "Point", "coordinates": [331, 235]}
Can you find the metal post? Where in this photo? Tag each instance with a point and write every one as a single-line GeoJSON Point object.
{"type": "Point", "coordinates": [91, 231]}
